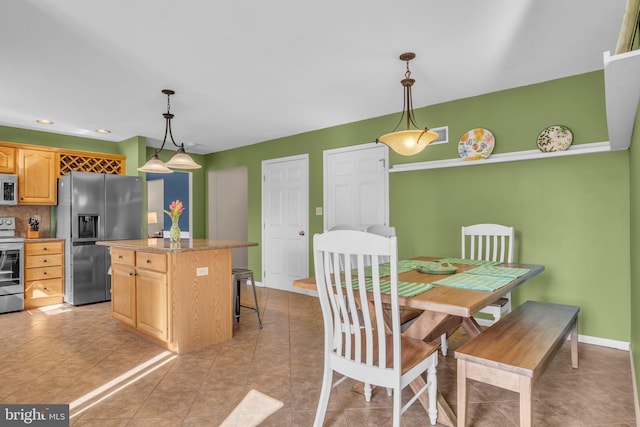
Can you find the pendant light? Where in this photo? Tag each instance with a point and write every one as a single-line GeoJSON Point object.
{"type": "Point", "coordinates": [414, 139]}
{"type": "Point", "coordinates": [180, 159]}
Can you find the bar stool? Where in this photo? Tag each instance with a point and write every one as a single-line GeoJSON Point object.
{"type": "Point", "coordinates": [237, 275]}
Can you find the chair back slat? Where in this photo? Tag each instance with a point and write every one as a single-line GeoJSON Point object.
{"type": "Point", "coordinates": [352, 308]}
{"type": "Point", "coordinates": [488, 242]}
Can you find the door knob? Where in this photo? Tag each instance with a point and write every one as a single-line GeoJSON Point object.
{"type": "Point", "coordinates": [301, 233]}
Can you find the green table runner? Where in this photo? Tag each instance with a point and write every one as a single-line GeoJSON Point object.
{"type": "Point", "coordinates": [403, 266]}
{"type": "Point", "coordinates": [488, 270]}
{"type": "Point", "coordinates": [484, 278]}
{"type": "Point", "coordinates": [405, 289]}
{"type": "Point", "coordinates": [475, 282]}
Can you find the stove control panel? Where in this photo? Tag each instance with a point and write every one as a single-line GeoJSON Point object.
{"type": "Point", "coordinates": [7, 226]}
{"type": "Point", "coordinates": [7, 223]}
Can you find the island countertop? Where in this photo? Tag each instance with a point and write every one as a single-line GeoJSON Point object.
{"type": "Point", "coordinates": [165, 245]}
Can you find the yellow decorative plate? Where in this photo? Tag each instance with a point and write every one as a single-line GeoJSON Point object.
{"type": "Point", "coordinates": [476, 144]}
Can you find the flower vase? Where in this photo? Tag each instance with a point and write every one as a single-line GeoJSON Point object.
{"type": "Point", "coordinates": [174, 232]}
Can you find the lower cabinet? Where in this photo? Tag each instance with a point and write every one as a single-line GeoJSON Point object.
{"type": "Point", "coordinates": [139, 291]}
{"type": "Point", "coordinates": [123, 293]}
{"type": "Point", "coordinates": [178, 299]}
{"type": "Point", "coordinates": [152, 317]}
{"type": "Point", "coordinates": [44, 273]}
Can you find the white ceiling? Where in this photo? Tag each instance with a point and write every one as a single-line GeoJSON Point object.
{"type": "Point", "coordinates": [254, 70]}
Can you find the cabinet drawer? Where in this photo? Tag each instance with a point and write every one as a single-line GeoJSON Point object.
{"type": "Point", "coordinates": [123, 256]}
{"type": "Point", "coordinates": [39, 273]}
{"type": "Point", "coordinates": [43, 288]}
{"type": "Point", "coordinates": [43, 260]}
{"type": "Point", "coordinates": [43, 248]}
{"type": "Point", "coordinates": [151, 261]}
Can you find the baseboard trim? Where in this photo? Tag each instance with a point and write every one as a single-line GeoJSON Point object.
{"type": "Point", "coordinates": [635, 387]}
{"type": "Point", "coordinates": [604, 342]}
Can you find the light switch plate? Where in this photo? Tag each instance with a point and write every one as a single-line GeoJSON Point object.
{"type": "Point", "coordinates": [202, 271]}
{"type": "Point", "coordinates": [318, 211]}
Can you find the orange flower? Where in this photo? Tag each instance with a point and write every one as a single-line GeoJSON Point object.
{"type": "Point", "coordinates": [478, 133]}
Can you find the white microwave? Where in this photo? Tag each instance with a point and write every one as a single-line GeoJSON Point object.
{"type": "Point", "coordinates": [8, 189]}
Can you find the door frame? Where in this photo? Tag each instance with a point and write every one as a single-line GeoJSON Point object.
{"type": "Point", "coordinates": [305, 215]}
{"type": "Point", "coordinates": [325, 178]}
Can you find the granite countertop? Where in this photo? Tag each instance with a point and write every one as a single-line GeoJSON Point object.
{"type": "Point", "coordinates": [164, 245]}
{"type": "Point", "coordinates": [42, 237]}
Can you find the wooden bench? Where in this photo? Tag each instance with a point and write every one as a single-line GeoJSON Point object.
{"type": "Point", "coordinates": [515, 351]}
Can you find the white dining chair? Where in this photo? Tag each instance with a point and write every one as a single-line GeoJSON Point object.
{"type": "Point", "coordinates": [382, 230]}
{"type": "Point", "coordinates": [407, 315]}
{"type": "Point", "coordinates": [487, 242]}
{"type": "Point", "coordinates": [363, 347]}
{"type": "Point", "coordinates": [490, 242]}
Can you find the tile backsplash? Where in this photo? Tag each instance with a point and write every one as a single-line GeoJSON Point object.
{"type": "Point", "coordinates": [23, 213]}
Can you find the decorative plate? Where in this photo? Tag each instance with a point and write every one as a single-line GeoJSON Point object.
{"type": "Point", "coordinates": [437, 268]}
{"type": "Point", "coordinates": [555, 138]}
{"type": "Point", "coordinates": [476, 144]}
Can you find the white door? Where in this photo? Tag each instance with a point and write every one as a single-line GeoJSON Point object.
{"type": "Point", "coordinates": [285, 216]}
{"type": "Point", "coordinates": [356, 183]}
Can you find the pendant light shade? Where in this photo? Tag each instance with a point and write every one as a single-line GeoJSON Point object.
{"type": "Point", "coordinates": [180, 159]}
{"type": "Point", "coordinates": [413, 139]}
{"type": "Point", "coordinates": [155, 165]}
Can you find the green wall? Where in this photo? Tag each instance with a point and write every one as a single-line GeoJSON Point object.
{"type": "Point", "coordinates": [25, 136]}
{"type": "Point", "coordinates": [571, 213]}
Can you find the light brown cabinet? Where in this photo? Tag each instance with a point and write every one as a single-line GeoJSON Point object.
{"type": "Point", "coordinates": [44, 273]}
{"type": "Point", "coordinates": [179, 298]}
{"type": "Point", "coordinates": [139, 292]}
{"type": "Point", "coordinates": [123, 293]}
{"type": "Point", "coordinates": [7, 160]}
{"type": "Point", "coordinates": [37, 175]}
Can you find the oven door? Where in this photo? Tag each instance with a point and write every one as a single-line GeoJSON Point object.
{"type": "Point", "coordinates": [11, 269]}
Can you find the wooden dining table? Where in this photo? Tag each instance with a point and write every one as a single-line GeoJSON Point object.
{"type": "Point", "coordinates": [444, 309]}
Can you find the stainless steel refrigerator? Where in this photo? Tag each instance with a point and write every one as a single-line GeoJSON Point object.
{"type": "Point", "coordinates": [94, 207]}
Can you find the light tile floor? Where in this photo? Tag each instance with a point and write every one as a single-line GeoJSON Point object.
{"type": "Point", "coordinates": [79, 354]}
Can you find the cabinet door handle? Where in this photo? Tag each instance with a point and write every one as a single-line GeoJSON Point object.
{"type": "Point", "coordinates": [44, 260]}
{"type": "Point", "coordinates": [119, 256]}
{"type": "Point", "coordinates": [148, 261]}
{"type": "Point", "coordinates": [44, 273]}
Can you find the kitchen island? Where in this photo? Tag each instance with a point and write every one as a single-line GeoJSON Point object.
{"type": "Point", "coordinates": [177, 296]}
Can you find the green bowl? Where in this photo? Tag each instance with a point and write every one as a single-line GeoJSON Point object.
{"type": "Point", "coordinates": [437, 268]}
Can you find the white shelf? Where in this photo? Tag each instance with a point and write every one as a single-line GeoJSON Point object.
{"type": "Point", "coordinates": [622, 94]}
{"type": "Point", "coordinates": [594, 147]}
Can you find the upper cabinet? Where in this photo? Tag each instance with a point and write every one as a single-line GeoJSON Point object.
{"type": "Point", "coordinates": [37, 177]}
{"type": "Point", "coordinates": [7, 160]}
{"type": "Point", "coordinates": [38, 168]}
{"type": "Point", "coordinates": [622, 93]}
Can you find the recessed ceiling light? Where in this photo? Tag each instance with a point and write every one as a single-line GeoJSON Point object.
{"type": "Point", "coordinates": [45, 122]}
{"type": "Point", "coordinates": [103, 131]}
